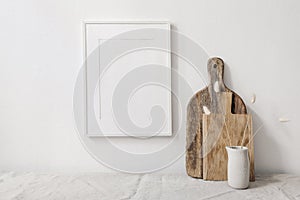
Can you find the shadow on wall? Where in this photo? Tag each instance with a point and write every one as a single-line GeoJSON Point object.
{"type": "Point", "coordinates": [266, 150]}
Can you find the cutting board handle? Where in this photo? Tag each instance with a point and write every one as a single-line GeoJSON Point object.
{"type": "Point", "coordinates": [215, 68]}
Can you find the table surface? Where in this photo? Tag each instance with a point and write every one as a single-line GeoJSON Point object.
{"type": "Point", "coordinates": [146, 186]}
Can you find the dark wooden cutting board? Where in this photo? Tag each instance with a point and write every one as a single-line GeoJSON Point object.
{"type": "Point", "coordinates": [207, 100]}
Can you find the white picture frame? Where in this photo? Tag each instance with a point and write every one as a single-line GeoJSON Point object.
{"type": "Point", "coordinates": [99, 31]}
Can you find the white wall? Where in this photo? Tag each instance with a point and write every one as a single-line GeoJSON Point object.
{"type": "Point", "coordinates": [41, 53]}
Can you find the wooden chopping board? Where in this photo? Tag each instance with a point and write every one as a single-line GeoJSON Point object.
{"type": "Point", "coordinates": [206, 99]}
{"type": "Point", "coordinates": [221, 130]}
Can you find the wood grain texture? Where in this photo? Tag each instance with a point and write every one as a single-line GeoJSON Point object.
{"type": "Point", "coordinates": [221, 130]}
{"type": "Point", "coordinates": [206, 97]}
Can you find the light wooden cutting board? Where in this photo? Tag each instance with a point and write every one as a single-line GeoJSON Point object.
{"type": "Point", "coordinates": [221, 130]}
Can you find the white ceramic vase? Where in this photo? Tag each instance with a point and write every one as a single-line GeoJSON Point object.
{"type": "Point", "coordinates": [238, 168]}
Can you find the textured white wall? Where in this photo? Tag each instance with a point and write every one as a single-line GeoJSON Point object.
{"type": "Point", "coordinates": [41, 53]}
